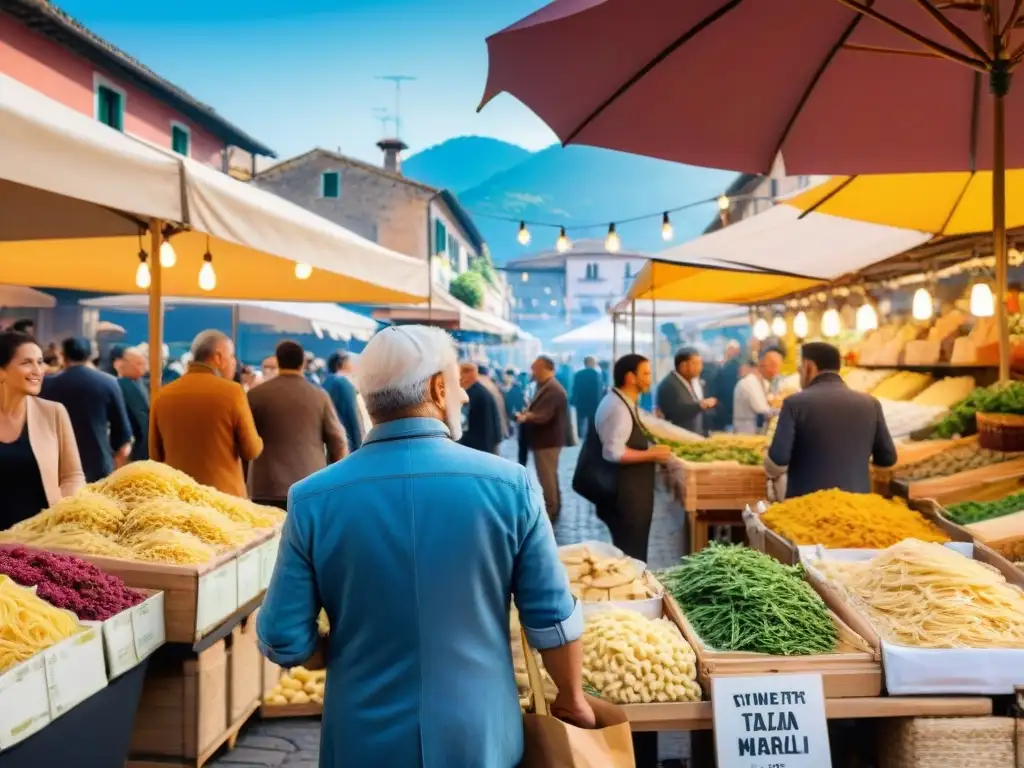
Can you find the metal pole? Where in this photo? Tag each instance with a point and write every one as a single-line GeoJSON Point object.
{"type": "Point", "coordinates": [615, 335]}
{"type": "Point", "coordinates": [156, 318]}
{"type": "Point", "coordinates": [235, 312]}
{"type": "Point", "coordinates": [632, 340]}
{"type": "Point", "coordinates": [999, 218]}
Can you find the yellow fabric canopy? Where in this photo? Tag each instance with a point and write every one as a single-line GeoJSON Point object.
{"type": "Point", "coordinates": [683, 282]}
{"type": "Point", "coordinates": [938, 203]}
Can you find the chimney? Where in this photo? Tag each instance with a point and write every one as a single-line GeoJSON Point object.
{"type": "Point", "coordinates": [392, 149]}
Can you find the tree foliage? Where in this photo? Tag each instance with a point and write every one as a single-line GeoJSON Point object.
{"type": "Point", "coordinates": [469, 288]}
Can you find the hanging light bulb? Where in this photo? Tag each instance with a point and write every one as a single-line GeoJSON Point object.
{"type": "Point", "coordinates": [831, 323]}
{"type": "Point", "coordinates": [303, 271]}
{"type": "Point", "coordinates": [168, 257]}
{"type": "Point", "coordinates": [563, 244]}
{"type": "Point", "coordinates": [1014, 257]}
{"type": "Point", "coordinates": [983, 303]}
{"type": "Point", "coordinates": [142, 278]}
{"type": "Point", "coordinates": [723, 203]}
{"type": "Point", "coordinates": [800, 325]}
{"type": "Point", "coordinates": [779, 326]}
{"type": "Point", "coordinates": [867, 318]}
{"type": "Point", "coordinates": [761, 329]}
{"type": "Point", "coordinates": [207, 277]}
{"type": "Point", "coordinates": [524, 234]}
{"type": "Point", "coordinates": [922, 307]}
{"type": "Point", "coordinates": [612, 243]}
{"type": "Point", "coordinates": [667, 233]}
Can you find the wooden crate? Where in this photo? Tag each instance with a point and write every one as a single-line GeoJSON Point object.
{"type": "Point", "coordinates": [271, 675]}
{"type": "Point", "coordinates": [184, 706]}
{"type": "Point", "coordinates": [853, 670]}
{"type": "Point", "coordinates": [764, 539]}
{"type": "Point", "coordinates": [979, 742]}
{"type": "Point", "coordinates": [245, 669]}
{"type": "Point", "coordinates": [722, 485]}
{"type": "Point", "coordinates": [908, 453]}
{"type": "Point", "coordinates": [273, 711]}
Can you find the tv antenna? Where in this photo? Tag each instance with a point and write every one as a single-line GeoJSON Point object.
{"type": "Point", "coordinates": [397, 80]}
{"type": "Point", "coordinates": [382, 114]}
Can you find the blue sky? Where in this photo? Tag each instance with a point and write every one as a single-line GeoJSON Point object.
{"type": "Point", "coordinates": [302, 73]}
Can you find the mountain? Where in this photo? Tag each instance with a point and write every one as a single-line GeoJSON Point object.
{"type": "Point", "coordinates": [462, 163]}
{"type": "Point", "coordinates": [576, 186]}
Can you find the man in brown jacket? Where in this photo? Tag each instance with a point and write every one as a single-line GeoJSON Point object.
{"type": "Point", "coordinates": [547, 416]}
{"type": "Point", "coordinates": [300, 429]}
{"type": "Point", "coordinates": [201, 423]}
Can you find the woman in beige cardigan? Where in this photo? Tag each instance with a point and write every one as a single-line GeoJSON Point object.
{"type": "Point", "coordinates": [39, 461]}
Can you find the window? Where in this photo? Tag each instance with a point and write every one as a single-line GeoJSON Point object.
{"type": "Point", "coordinates": [629, 270]}
{"type": "Point", "coordinates": [591, 273]}
{"type": "Point", "coordinates": [453, 251]}
{"type": "Point", "coordinates": [330, 185]}
{"type": "Point", "coordinates": [440, 236]}
{"type": "Point", "coordinates": [181, 139]}
{"type": "Point", "coordinates": [110, 105]}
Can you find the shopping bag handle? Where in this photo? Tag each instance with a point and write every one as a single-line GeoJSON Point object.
{"type": "Point", "coordinates": [540, 703]}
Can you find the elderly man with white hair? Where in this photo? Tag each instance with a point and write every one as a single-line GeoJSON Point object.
{"type": "Point", "coordinates": [201, 423]}
{"type": "Point", "coordinates": [414, 546]}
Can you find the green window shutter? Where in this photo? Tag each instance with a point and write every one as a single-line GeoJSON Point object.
{"type": "Point", "coordinates": [110, 107]}
{"type": "Point", "coordinates": [440, 237]}
{"type": "Point", "coordinates": [330, 184]}
{"type": "Point", "coordinates": [180, 140]}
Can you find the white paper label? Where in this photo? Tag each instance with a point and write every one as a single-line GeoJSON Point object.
{"type": "Point", "coordinates": [75, 670]}
{"type": "Point", "coordinates": [24, 701]}
{"type": "Point", "coordinates": [148, 625]}
{"type": "Point", "coordinates": [770, 721]}
{"type": "Point", "coordinates": [218, 595]}
{"type": "Point", "coordinates": [269, 557]}
{"type": "Point", "coordinates": [250, 575]}
{"type": "Point", "coordinates": [119, 643]}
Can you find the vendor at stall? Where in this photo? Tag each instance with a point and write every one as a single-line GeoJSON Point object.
{"type": "Point", "coordinates": [828, 435]}
{"type": "Point", "coordinates": [753, 402]}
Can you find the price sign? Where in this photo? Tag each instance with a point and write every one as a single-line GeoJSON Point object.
{"type": "Point", "coordinates": [24, 701]}
{"type": "Point", "coordinates": [148, 625]}
{"type": "Point", "coordinates": [250, 575]}
{"type": "Point", "coordinates": [268, 556]}
{"type": "Point", "coordinates": [75, 670]}
{"type": "Point", "coordinates": [119, 643]}
{"type": "Point", "coordinates": [770, 721]}
{"type": "Point", "coordinates": [218, 595]}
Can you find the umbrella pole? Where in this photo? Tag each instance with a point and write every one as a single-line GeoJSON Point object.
{"type": "Point", "coordinates": [632, 332]}
{"type": "Point", "coordinates": [1000, 84]}
{"type": "Point", "coordinates": [156, 367]}
{"type": "Point", "coordinates": [615, 334]}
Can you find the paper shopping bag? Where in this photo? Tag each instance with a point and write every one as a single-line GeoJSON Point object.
{"type": "Point", "coordinates": [550, 743]}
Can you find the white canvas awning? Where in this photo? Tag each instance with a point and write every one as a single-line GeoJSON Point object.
{"type": "Point", "coordinates": [25, 298]}
{"type": "Point", "coordinates": [817, 245]}
{"type": "Point", "coordinates": [446, 309]}
{"type": "Point", "coordinates": [602, 332]}
{"type": "Point", "coordinates": [688, 311]}
{"type": "Point", "coordinates": [287, 317]}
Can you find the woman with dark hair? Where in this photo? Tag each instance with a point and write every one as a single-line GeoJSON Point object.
{"type": "Point", "coordinates": [39, 462]}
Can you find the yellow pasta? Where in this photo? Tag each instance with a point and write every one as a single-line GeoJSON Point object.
{"type": "Point", "coordinates": [929, 596]}
{"type": "Point", "coordinates": [74, 539]}
{"type": "Point", "coordinates": [86, 509]}
{"type": "Point", "coordinates": [171, 546]}
{"type": "Point", "coordinates": [205, 524]}
{"type": "Point", "coordinates": [29, 624]}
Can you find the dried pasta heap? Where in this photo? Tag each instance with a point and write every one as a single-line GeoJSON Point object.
{"type": "Point", "coordinates": [841, 520]}
{"type": "Point", "coordinates": [929, 596]}
{"type": "Point", "coordinates": [146, 511]}
{"type": "Point", "coordinates": [29, 624]}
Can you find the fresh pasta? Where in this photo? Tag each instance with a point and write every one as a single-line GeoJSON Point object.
{"type": "Point", "coordinates": [28, 624]}
{"type": "Point", "coordinates": [207, 525]}
{"type": "Point", "coordinates": [929, 596]}
{"type": "Point", "coordinates": [167, 545]}
{"type": "Point", "coordinates": [86, 509]}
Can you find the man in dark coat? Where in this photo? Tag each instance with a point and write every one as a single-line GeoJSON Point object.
{"type": "Point", "coordinates": [725, 385]}
{"type": "Point", "coordinates": [345, 397]}
{"type": "Point", "coordinates": [483, 430]}
{"type": "Point", "coordinates": [587, 390]}
{"type": "Point", "coordinates": [130, 367]}
{"type": "Point", "coordinates": [828, 435]}
{"type": "Point", "coordinates": [515, 398]}
{"type": "Point", "coordinates": [681, 397]}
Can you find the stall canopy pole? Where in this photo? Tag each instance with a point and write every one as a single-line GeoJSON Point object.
{"type": "Point", "coordinates": [156, 367]}
{"type": "Point", "coordinates": [632, 340]}
{"type": "Point", "coordinates": [999, 88]}
{"type": "Point", "coordinates": [654, 340]}
{"type": "Point", "coordinates": [615, 335]}
{"type": "Point", "coordinates": [235, 312]}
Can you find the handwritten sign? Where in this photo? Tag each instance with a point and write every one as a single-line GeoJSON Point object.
{"type": "Point", "coordinates": [75, 670]}
{"type": "Point", "coordinates": [218, 595]}
{"type": "Point", "coordinates": [770, 721]}
{"type": "Point", "coordinates": [119, 643]}
{"type": "Point", "coordinates": [148, 625]}
{"type": "Point", "coordinates": [24, 701]}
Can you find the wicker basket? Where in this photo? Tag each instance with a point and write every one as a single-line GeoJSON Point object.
{"type": "Point", "coordinates": [950, 742]}
{"type": "Point", "coordinates": [1001, 431]}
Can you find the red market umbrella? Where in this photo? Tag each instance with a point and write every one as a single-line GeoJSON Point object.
{"type": "Point", "coordinates": [836, 86]}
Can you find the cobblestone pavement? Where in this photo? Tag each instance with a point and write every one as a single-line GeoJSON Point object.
{"type": "Point", "coordinates": [295, 743]}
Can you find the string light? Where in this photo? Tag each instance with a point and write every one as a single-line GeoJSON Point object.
{"type": "Point", "coordinates": [142, 277]}
{"type": "Point", "coordinates": [831, 322]}
{"type": "Point", "coordinates": [168, 256]}
{"type": "Point", "coordinates": [207, 277]}
{"type": "Point", "coordinates": [779, 326]}
{"type": "Point", "coordinates": [800, 326]}
{"type": "Point", "coordinates": [761, 329]}
{"type": "Point", "coordinates": [667, 233]}
{"type": "Point", "coordinates": [524, 234]}
{"type": "Point", "coordinates": [612, 243]}
{"type": "Point", "coordinates": [922, 307]}
{"type": "Point", "coordinates": [983, 303]}
{"type": "Point", "coordinates": [867, 318]}
{"type": "Point", "coordinates": [303, 271]}
{"type": "Point", "coordinates": [563, 244]}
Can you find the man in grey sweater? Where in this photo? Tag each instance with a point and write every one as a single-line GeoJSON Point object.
{"type": "Point", "coordinates": [828, 435]}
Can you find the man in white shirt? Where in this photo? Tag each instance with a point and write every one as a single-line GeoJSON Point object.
{"type": "Point", "coordinates": [752, 400]}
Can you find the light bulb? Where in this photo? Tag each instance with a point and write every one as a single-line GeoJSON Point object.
{"type": "Point", "coordinates": [922, 307]}
{"type": "Point", "coordinates": [667, 233]}
{"type": "Point", "coordinates": [800, 325]}
{"type": "Point", "coordinates": [168, 257]}
{"type": "Point", "coordinates": [1014, 257]}
{"type": "Point", "coordinates": [612, 243]}
{"type": "Point", "coordinates": [142, 278]}
{"type": "Point", "coordinates": [207, 277]}
{"type": "Point", "coordinates": [867, 318]}
{"type": "Point", "coordinates": [524, 234]}
{"type": "Point", "coordinates": [761, 329]}
{"type": "Point", "coordinates": [779, 326]}
{"type": "Point", "coordinates": [831, 323]}
{"type": "Point", "coordinates": [563, 244]}
{"type": "Point", "coordinates": [723, 203]}
{"type": "Point", "coordinates": [303, 271]}
{"type": "Point", "coordinates": [983, 303]}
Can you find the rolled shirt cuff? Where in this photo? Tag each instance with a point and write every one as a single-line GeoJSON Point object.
{"type": "Point", "coordinates": [562, 633]}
